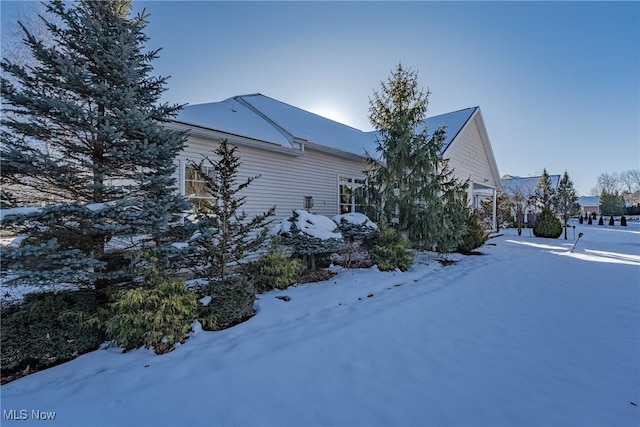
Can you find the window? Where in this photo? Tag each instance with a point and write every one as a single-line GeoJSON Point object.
{"type": "Point", "coordinates": [351, 194]}
{"type": "Point", "coordinates": [194, 184]}
{"type": "Point", "coordinates": [308, 202]}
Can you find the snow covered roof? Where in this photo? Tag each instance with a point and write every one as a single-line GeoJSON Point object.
{"type": "Point", "coordinates": [266, 119]}
{"type": "Point", "coordinates": [311, 127]}
{"type": "Point", "coordinates": [527, 185]}
{"type": "Point", "coordinates": [454, 122]}
{"type": "Point", "coordinates": [232, 117]}
{"type": "Point", "coordinates": [589, 201]}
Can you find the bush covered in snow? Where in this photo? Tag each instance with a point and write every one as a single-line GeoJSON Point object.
{"type": "Point", "coordinates": [158, 315]}
{"type": "Point", "coordinates": [391, 250]}
{"type": "Point", "coordinates": [46, 329]}
{"type": "Point", "coordinates": [547, 225]}
{"type": "Point", "coordinates": [359, 234]}
{"type": "Point", "coordinates": [309, 235]}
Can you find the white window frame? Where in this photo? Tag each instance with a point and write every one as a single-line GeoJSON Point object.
{"type": "Point", "coordinates": [184, 181]}
{"type": "Point", "coordinates": [353, 183]}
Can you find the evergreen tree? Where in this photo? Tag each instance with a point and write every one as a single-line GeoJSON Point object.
{"type": "Point", "coordinates": [409, 184]}
{"type": "Point", "coordinates": [475, 236]}
{"type": "Point", "coordinates": [566, 201]}
{"type": "Point", "coordinates": [225, 233]}
{"type": "Point", "coordinates": [544, 191]}
{"type": "Point", "coordinates": [611, 203]}
{"type": "Point", "coordinates": [547, 225]}
{"type": "Point", "coordinates": [84, 126]}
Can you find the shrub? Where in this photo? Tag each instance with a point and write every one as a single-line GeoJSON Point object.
{"type": "Point", "coordinates": [623, 221]}
{"type": "Point", "coordinates": [312, 237]}
{"type": "Point", "coordinates": [547, 225]}
{"type": "Point", "coordinates": [611, 221]}
{"type": "Point", "coordinates": [391, 250]}
{"type": "Point", "coordinates": [274, 270]}
{"type": "Point", "coordinates": [48, 328]}
{"type": "Point", "coordinates": [232, 300]}
{"type": "Point", "coordinates": [359, 235]}
{"type": "Point", "coordinates": [475, 235]}
{"type": "Point", "coordinates": [590, 221]}
{"type": "Point", "coordinates": [601, 220]}
{"type": "Point", "coordinates": [581, 220]}
{"type": "Point", "coordinates": [157, 315]}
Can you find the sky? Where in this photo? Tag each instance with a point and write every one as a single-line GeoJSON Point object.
{"type": "Point", "coordinates": [557, 82]}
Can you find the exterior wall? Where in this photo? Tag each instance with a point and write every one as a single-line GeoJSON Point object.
{"type": "Point", "coordinates": [285, 179]}
{"type": "Point", "coordinates": [590, 209]}
{"type": "Point", "coordinates": [468, 157]}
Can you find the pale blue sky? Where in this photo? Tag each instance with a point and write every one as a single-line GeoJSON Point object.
{"type": "Point", "coordinates": [558, 82]}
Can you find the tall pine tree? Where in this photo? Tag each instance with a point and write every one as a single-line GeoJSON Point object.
{"type": "Point", "coordinates": [408, 182]}
{"type": "Point", "coordinates": [83, 125]}
{"type": "Point", "coordinates": [544, 191]}
{"type": "Point", "coordinates": [566, 201]}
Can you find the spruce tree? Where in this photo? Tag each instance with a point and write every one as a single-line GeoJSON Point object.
{"type": "Point", "coordinates": [544, 193]}
{"type": "Point", "coordinates": [566, 201]}
{"type": "Point", "coordinates": [547, 225]}
{"type": "Point", "coordinates": [409, 184]}
{"type": "Point", "coordinates": [83, 126]}
{"type": "Point", "coordinates": [225, 233]}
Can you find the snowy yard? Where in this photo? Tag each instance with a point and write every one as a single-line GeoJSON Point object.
{"type": "Point", "coordinates": [528, 334]}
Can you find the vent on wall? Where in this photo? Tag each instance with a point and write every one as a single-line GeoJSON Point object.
{"type": "Point", "coordinates": [308, 202]}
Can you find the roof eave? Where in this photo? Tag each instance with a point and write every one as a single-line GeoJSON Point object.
{"type": "Point", "coordinates": [235, 139]}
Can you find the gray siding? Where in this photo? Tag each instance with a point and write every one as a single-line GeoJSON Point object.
{"type": "Point", "coordinates": [284, 179]}
{"type": "Point", "coordinates": [468, 157]}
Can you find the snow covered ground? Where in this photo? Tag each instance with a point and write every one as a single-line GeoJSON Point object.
{"type": "Point", "coordinates": [528, 334]}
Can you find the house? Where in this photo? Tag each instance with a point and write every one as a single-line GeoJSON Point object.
{"type": "Point", "coordinates": [311, 162]}
{"type": "Point", "coordinates": [589, 205]}
{"type": "Point", "coordinates": [522, 191]}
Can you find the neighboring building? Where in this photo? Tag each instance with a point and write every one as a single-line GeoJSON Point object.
{"type": "Point", "coordinates": [523, 191]}
{"type": "Point", "coordinates": [589, 205]}
{"type": "Point", "coordinates": [311, 162]}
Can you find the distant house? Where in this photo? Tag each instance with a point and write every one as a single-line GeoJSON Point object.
{"type": "Point", "coordinates": [311, 162]}
{"type": "Point", "coordinates": [589, 205]}
{"type": "Point", "coordinates": [524, 190]}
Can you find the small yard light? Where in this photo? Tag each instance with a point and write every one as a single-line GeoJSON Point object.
{"type": "Point", "coordinates": [574, 245]}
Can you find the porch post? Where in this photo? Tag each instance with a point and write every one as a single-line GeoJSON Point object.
{"type": "Point", "coordinates": [494, 208]}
